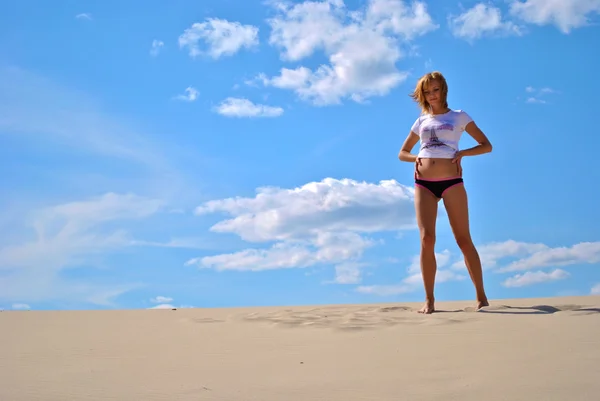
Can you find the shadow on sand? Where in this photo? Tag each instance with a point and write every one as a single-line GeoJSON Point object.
{"type": "Point", "coordinates": [537, 309]}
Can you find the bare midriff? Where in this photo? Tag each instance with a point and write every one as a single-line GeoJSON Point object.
{"type": "Point", "coordinates": [436, 169]}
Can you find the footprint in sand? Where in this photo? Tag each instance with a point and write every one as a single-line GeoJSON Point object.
{"type": "Point", "coordinates": [202, 320]}
{"type": "Point", "coordinates": [396, 309]}
{"type": "Point", "coordinates": [346, 319]}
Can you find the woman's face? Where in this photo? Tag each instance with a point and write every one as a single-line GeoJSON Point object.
{"type": "Point", "coordinates": [433, 94]}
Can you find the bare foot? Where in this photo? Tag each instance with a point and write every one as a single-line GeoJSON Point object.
{"type": "Point", "coordinates": [428, 308]}
{"type": "Point", "coordinates": [481, 304]}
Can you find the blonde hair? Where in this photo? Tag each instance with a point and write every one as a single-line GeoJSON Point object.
{"type": "Point", "coordinates": [419, 96]}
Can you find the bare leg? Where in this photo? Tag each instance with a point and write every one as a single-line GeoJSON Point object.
{"type": "Point", "coordinates": [456, 204]}
{"type": "Point", "coordinates": [426, 205]}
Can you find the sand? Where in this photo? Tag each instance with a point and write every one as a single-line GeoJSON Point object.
{"type": "Point", "coordinates": [527, 349]}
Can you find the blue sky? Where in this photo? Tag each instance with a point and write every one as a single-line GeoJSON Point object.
{"type": "Point", "coordinates": [241, 153]}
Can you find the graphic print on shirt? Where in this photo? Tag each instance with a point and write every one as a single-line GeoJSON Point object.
{"type": "Point", "coordinates": [434, 141]}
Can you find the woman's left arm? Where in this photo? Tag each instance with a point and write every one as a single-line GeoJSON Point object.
{"type": "Point", "coordinates": [484, 144]}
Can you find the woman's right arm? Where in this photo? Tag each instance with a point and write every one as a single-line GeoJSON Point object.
{"type": "Point", "coordinates": [409, 143]}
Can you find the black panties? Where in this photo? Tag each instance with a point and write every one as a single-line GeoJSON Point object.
{"type": "Point", "coordinates": [438, 187]}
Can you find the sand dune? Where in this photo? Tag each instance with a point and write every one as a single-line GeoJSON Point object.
{"type": "Point", "coordinates": [527, 349]}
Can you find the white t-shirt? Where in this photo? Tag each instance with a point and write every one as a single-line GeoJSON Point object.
{"type": "Point", "coordinates": [440, 133]}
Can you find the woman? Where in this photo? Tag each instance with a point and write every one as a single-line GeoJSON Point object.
{"type": "Point", "coordinates": [438, 175]}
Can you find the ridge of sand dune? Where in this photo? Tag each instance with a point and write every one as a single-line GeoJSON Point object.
{"type": "Point", "coordinates": [526, 349]}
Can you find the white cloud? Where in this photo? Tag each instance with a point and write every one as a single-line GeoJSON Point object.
{"type": "Point", "coordinates": [564, 14]}
{"type": "Point", "coordinates": [415, 281]}
{"type": "Point", "coordinates": [491, 253]}
{"type": "Point", "coordinates": [479, 21]}
{"type": "Point", "coordinates": [329, 248]}
{"type": "Point", "coordinates": [536, 95]}
{"type": "Point", "coordinates": [86, 16]}
{"type": "Point", "coordinates": [531, 278]}
{"type": "Point", "coordinates": [157, 45]}
{"type": "Point", "coordinates": [161, 300]}
{"type": "Point", "coordinates": [222, 38]}
{"type": "Point", "coordinates": [36, 246]}
{"type": "Point", "coordinates": [170, 306]}
{"type": "Point", "coordinates": [528, 256]}
{"type": "Point", "coordinates": [67, 236]}
{"type": "Point", "coordinates": [585, 252]}
{"type": "Point", "coordinates": [330, 205]}
{"type": "Point", "coordinates": [165, 303]}
{"type": "Point", "coordinates": [183, 242]}
{"type": "Point", "coordinates": [409, 284]}
{"type": "Point", "coordinates": [363, 47]}
{"type": "Point", "coordinates": [395, 16]}
{"type": "Point", "coordinates": [535, 100]}
{"type": "Point", "coordinates": [441, 276]}
{"type": "Point", "coordinates": [386, 290]}
{"type": "Point", "coordinates": [237, 107]}
{"type": "Point", "coordinates": [34, 106]}
{"type": "Point", "coordinates": [494, 256]}
{"type": "Point", "coordinates": [40, 284]}
{"type": "Point", "coordinates": [317, 223]}
{"type": "Point", "coordinates": [20, 307]}
{"type": "Point", "coordinates": [442, 260]}
{"type": "Point", "coordinates": [349, 272]}
{"type": "Point", "coordinates": [542, 91]}
{"type": "Point", "coordinates": [328, 223]}
{"type": "Point", "coordinates": [163, 306]}
{"type": "Point", "coordinates": [191, 94]}
{"type": "Point", "coordinates": [595, 290]}
{"type": "Point", "coordinates": [66, 232]}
